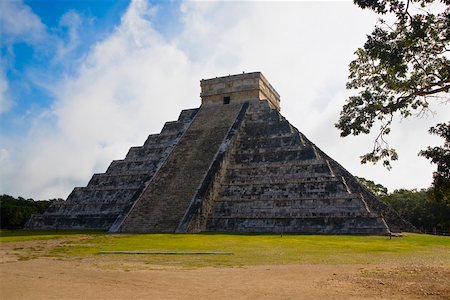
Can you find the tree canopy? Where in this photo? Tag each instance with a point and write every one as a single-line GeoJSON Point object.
{"type": "Point", "coordinates": [441, 157]}
{"type": "Point", "coordinates": [14, 213]}
{"type": "Point", "coordinates": [376, 188]}
{"type": "Point", "coordinates": [414, 206]}
{"type": "Point", "coordinates": [399, 70]}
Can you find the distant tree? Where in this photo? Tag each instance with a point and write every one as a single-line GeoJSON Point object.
{"type": "Point", "coordinates": [399, 70]}
{"type": "Point", "coordinates": [414, 206]}
{"type": "Point", "coordinates": [440, 156]}
{"type": "Point", "coordinates": [376, 188]}
{"type": "Point", "coordinates": [14, 213]}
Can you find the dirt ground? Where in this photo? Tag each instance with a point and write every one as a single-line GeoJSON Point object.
{"type": "Point", "coordinates": [31, 275]}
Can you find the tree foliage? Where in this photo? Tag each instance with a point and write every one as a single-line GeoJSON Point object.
{"type": "Point", "coordinates": [376, 188]}
{"type": "Point", "coordinates": [415, 206]}
{"type": "Point", "coordinates": [14, 213]}
{"type": "Point", "coordinates": [398, 71]}
{"type": "Point", "coordinates": [441, 157]}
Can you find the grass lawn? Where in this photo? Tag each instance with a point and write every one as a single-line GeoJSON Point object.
{"type": "Point", "coordinates": [246, 249]}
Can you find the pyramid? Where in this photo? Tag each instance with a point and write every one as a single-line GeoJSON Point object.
{"type": "Point", "coordinates": [234, 164]}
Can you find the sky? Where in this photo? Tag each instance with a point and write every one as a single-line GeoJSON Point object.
{"type": "Point", "coordinates": [83, 81]}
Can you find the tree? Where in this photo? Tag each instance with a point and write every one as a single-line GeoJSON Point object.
{"type": "Point", "coordinates": [14, 213]}
{"type": "Point", "coordinates": [376, 188]}
{"type": "Point", "coordinates": [441, 157]}
{"type": "Point", "coordinates": [415, 206]}
{"type": "Point", "coordinates": [398, 71]}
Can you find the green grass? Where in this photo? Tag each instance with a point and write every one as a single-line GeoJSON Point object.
{"type": "Point", "coordinates": [254, 249]}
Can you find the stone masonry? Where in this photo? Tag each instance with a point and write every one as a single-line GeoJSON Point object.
{"type": "Point", "coordinates": [233, 165]}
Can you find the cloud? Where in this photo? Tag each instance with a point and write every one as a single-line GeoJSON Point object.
{"type": "Point", "coordinates": [19, 23]}
{"type": "Point", "coordinates": [72, 21]}
{"type": "Point", "coordinates": [119, 94]}
{"type": "Point", "coordinates": [128, 84]}
{"type": "Point", "coordinates": [5, 100]}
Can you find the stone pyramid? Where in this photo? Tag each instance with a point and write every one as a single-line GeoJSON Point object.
{"type": "Point", "coordinates": [233, 165]}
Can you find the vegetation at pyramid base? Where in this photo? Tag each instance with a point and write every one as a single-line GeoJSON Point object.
{"type": "Point", "coordinates": [15, 212]}
{"type": "Point", "coordinates": [416, 206]}
{"type": "Point", "coordinates": [399, 71]}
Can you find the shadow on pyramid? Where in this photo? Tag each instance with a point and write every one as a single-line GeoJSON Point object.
{"type": "Point", "coordinates": [233, 165]}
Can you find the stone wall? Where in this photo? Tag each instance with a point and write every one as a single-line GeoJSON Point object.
{"type": "Point", "coordinates": [242, 87]}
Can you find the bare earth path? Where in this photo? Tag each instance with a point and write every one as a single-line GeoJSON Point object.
{"type": "Point", "coordinates": [26, 274]}
{"type": "Point", "coordinates": [48, 278]}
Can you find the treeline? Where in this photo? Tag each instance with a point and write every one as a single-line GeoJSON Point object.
{"type": "Point", "coordinates": [419, 207]}
{"type": "Point", "coordinates": [420, 210]}
{"type": "Point", "coordinates": [15, 212]}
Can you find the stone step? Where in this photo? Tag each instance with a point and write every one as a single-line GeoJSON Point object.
{"type": "Point", "coordinates": [266, 128]}
{"type": "Point", "coordinates": [275, 156]}
{"type": "Point", "coordinates": [121, 167]}
{"type": "Point", "coordinates": [341, 196]}
{"type": "Point", "coordinates": [145, 153]}
{"type": "Point", "coordinates": [315, 225]}
{"type": "Point", "coordinates": [187, 115]}
{"type": "Point", "coordinates": [255, 213]}
{"type": "Point", "coordinates": [285, 141]}
{"type": "Point", "coordinates": [293, 165]}
{"type": "Point", "coordinates": [160, 139]}
{"type": "Point", "coordinates": [300, 208]}
{"type": "Point", "coordinates": [80, 195]}
{"type": "Point", "coordinates": [117, 181]}
{"type": "Point", "coordinates": [276, 174]}
{"type": "Point", "coordinates": [171, 127]}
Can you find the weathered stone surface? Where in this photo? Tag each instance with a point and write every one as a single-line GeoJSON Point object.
{"type": "Point", "coordinates": [277, 181]}
{"type": "Point", "coordinates": [241, 87]}
{"type": "Point", "coordinates": [231, 166]}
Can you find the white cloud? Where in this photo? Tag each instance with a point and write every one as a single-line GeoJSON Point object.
{"type": "Point", "coordinates": [5, 100]}
{"type": "Point", "coordinates": [72, 21]}
{"type": "Point", "coordinates": [134, 80]}
{"type": "Point", "coordinates": [19, 23]}
{"type": "Point", "coordinates": [120, 94]}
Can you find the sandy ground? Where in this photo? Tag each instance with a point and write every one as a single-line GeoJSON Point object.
{"type": "Point", "coordinates": [31, 275]}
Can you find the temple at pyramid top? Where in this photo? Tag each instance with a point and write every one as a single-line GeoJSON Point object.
{"type": "Point", "coordinates": [236, 88]}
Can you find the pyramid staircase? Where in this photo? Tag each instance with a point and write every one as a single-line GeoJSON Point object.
{"type": "Point", "coordinates": [166, 199]}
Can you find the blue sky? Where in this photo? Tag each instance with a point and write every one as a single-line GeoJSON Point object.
{"type": "Point", "coordinates": [82, 81]}
{"type": "Point", "coordinates": [24, 57]}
